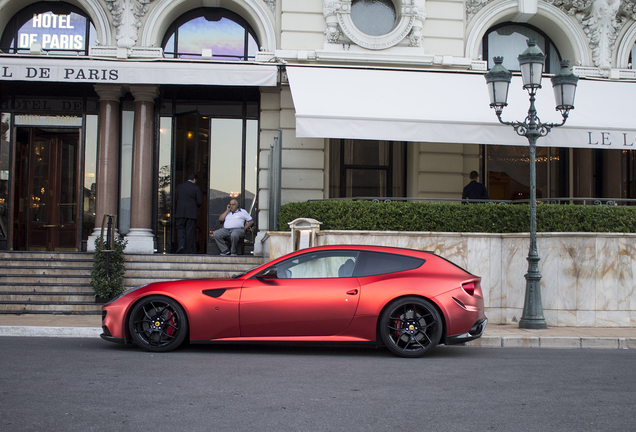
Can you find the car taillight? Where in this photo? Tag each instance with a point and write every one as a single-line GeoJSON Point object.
{"type": "Point", "coordinates": [469, 287]}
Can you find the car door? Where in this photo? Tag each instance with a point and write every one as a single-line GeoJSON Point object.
{"type": "Point", "coordinates": [312, 295]}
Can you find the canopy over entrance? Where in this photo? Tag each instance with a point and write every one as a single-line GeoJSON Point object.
{"type": "Point", "coordinates": [446, 107]}
{"type": "Point", "coordinates": [136, 72]}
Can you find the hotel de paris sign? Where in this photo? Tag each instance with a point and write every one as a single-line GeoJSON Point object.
{"type": "Point", "coordinates": [135, 72]}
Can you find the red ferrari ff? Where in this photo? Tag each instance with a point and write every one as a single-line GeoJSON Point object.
{"type": "Point", "coordinates": [407, 300]}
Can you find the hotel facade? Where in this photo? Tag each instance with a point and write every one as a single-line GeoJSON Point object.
{"type": "Point", "coordinates": [107, 105]}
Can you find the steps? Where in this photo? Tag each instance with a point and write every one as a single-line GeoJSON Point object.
{"type": "Point", "coordinates": [59, 283]}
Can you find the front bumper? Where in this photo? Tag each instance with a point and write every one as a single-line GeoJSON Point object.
{"type": "Point", "coordinates": [474, 333]}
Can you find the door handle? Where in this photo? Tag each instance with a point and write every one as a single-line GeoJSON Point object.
{"type": "Point", "coordinates": [352, 292]}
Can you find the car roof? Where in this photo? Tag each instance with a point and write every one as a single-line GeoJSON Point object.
{"type": "Point", "coordinates": [355, 247]}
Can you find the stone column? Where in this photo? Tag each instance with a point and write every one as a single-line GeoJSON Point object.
{"type": "Point", "coordinates": [107, 170]}
{"type": "Point", "coordinates": [140, 237]}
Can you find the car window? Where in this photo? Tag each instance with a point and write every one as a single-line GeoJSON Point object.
{"type": "Point", "coordinates": [377, 263]}
{"type": "Point", "coordinates": [323, 264]}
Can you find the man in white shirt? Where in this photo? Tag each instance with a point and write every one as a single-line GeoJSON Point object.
{"type": "Point", "coordinates": [235, 222]}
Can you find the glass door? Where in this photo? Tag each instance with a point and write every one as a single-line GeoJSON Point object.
{"type": "Point", "coordinates": [218, 142]}
{"type": "Point", "coordinates": [233, 168]}
{"type": "Point", "coordinates": [47, 190]}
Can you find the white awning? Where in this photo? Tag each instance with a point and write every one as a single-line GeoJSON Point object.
{"type": "Point", "coordinates": [446, 107]}
{"type": "Point", "coordinates": [42, 69]}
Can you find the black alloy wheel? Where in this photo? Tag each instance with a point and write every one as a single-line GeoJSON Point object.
{"type": "Point", "coordinates": [158, 324]}
{"type": "Point", "coordinates": [410, 327]}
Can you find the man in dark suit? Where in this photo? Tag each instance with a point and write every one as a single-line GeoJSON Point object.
{"type": "Point", "coordinates": [474, 189]}
{"type": "Point", "coordinates": [187, 205]}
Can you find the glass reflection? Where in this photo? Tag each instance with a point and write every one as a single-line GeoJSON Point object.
{"type": "Point", "coordinates": [509, 172]}
{"type": "Point", "coordinates": [126, 157]}
{"type": "Point", "coordinates": [226, 155]}
{"type": "Point", "coordinates": [5, 173]}
{"type": "Point", "coordinates": [510, 40]}
{"type": "Point", "coordinates": [164, 200]}
{"type": "Point", "coordinates": [225, 33]}
{"type": "Point", "coordinates": [90, 170]}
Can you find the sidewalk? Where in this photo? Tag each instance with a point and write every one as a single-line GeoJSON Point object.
{"type": "Point", "coordinates": [495, 336]}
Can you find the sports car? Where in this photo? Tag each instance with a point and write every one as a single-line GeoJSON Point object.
{"type": "Point", "coordinates": [407, 300]}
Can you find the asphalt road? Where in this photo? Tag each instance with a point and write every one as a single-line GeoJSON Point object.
{"type": "Point", "coordinates": [57, 384]}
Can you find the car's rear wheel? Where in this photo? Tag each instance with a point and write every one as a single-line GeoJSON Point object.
{"type": "Point", "coordinates": [410, 327]}
{"type": "Point", "coordinates": [158, 324]}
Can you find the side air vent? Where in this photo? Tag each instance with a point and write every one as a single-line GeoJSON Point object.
{"type": "Point", "coordinates": [214, 292]}
{"type": "Point", "coordinates": [459, 303]}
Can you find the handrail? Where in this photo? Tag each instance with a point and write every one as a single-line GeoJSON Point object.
{"type": "Point", "coordinates": [110, 240]}
{"type": "Point", "coordinates": [558, 201]}
{"type": "Point", "coordinates": [109, 221]}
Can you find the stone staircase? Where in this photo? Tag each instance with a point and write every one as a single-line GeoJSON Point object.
{"type": "Point", "coordinates": [59, 283]}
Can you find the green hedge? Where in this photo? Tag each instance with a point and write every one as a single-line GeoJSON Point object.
{"type": "Point", "coordinates": [484, 218]}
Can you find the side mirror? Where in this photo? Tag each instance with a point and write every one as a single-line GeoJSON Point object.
{"type": "Point", "coordinates": [269, 273]}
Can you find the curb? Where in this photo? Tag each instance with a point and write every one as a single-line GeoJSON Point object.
{"type": "Point", "coordinates": [33, 331]}
{"type": "Point", "coordinates": [554, 342]}
{"type": "Point", "coordinates": [562, 342]}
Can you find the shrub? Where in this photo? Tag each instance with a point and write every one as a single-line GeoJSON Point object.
{"type": "Point", "coordinates": [483, 218]}
{"type": "Point", "coordinates": [107, 278]}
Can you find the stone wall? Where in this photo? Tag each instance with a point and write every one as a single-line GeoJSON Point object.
{"type": "Point", "coordinates": [588, 279]}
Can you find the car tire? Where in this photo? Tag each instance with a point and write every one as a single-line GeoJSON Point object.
{"type": "Point", "coordinates": [410, 327]}
{"type": "Point", "coordinates": [158, 324]}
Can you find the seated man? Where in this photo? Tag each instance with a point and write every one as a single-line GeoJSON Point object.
{"type": "Point", "coordinates": [235, 222]}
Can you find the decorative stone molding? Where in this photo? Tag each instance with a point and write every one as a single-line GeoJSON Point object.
{"type": "Point", "coordinates": [499, 11]}
{"type": "Point", "coordinates": [602, 20]}
{"type": "Point", "coordinates": [123, 53]}
{"type": "Point", "coordinates": [127, 18]}
{"type": "Point", "coordinates": [341, 29]}
{"type": "Point", "coordinates": [272, 5]}
{"type": "Point", "coordinates": [473, 7]}
{"type": "Point", "coordinates": [594, 72]}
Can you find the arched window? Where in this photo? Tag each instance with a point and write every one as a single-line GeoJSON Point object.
{"type": "Point", "coordinates": [58, 28]}
{"type": "Point", "coordinates": [632, 57]}
{"type": "Point", "coordinates": [509, 40]}
{"type": "Point", "coordinates": [225, 33]}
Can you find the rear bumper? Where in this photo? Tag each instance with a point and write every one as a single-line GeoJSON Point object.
{"type": "Point", "coordinates": [474, 333]}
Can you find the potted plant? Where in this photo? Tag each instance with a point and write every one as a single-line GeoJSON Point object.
{"type": "Point", "coordinates": [107, 273]}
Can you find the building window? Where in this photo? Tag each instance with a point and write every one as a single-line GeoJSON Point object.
{"type": "Point", "coordinates": [212, 132]}
{"type": "Point", "coordinates": [58, 29]}
{"type": "Point", "coordinates": [508, 172]}
{"type": "Point", "coordinates": [628, 158]}
{"type": "Point", "coordinates": [224, 33]}
{"type": "Point", "coordinates": [373, 17]}
{"type": "Point", "coordinates": [360, 168]}
{"type": "Point", "coordinates": [509, 40]}
{"type": "Point", "coordinates": [632, 57]}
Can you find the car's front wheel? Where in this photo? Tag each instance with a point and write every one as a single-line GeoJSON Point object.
{"type": "Point", "coordinates": [158, 324]}
{"type": "Point", "coordinates": [410, 327]}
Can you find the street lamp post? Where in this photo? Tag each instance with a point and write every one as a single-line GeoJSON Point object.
{"type": "Point", "coordinates": [564, 85]}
